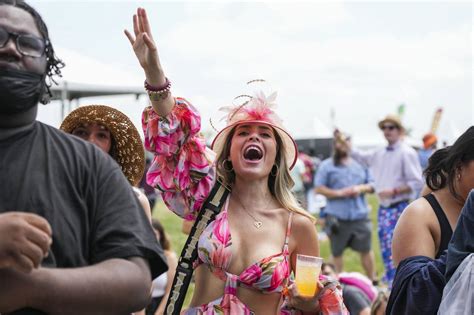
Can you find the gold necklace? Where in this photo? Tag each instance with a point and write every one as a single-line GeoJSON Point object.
{"type": "Point", "coordinates": [257, 223]}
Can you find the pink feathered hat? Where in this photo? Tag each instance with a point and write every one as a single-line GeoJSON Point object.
{"type": "Point", "coordinates": [258, 109]}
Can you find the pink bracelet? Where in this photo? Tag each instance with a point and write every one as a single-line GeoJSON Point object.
{"type": "Point", "coordinates": [158, 93]}
{"type": "Point", "coordinates": [165, 86]}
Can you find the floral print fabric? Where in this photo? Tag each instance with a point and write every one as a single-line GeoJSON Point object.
{"type": "Point", "coordinates": [182, 168]}
{"type": "Point", "coordinates": [387, 220]}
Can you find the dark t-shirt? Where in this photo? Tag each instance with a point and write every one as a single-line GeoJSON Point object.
{"type": "Point", "coordinates": [81, 192]}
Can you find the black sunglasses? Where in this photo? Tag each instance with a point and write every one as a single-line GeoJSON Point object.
{"type": "Point", "coordinates": [389, 127]}
{"type": "Point", "coordinates": [27, 45]}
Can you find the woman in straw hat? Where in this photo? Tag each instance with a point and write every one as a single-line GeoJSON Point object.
{"type": "Point", "coordinates": [115, 134]}
{"type": "Point", "coordinates": [247, 253]}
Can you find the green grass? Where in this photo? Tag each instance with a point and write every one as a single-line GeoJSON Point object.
{"type": "Point", "coordinates": [172, 224]}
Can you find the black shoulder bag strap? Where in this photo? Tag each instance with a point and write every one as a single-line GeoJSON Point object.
{"type": "Point", "coordinates": [184, 271]}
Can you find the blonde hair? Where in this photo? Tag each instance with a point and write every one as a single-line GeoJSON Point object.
{"type": "Point", "coordinates": [279, 184]}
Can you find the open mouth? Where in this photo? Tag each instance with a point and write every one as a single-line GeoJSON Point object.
{"type": "Point", "coordinates": [253, 153]}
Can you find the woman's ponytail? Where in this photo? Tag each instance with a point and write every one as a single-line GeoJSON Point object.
{"type": "Point", "coordinates": [445, 164]}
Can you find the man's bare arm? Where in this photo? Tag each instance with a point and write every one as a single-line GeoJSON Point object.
{"type": "Point", "coordinates": [115, 286]}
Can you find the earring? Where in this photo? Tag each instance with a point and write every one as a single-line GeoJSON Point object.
{"type": "Point", "coordinates": [459, 176]}
{"type": "Point", "coordinates": [227, 169]}
{"type": "Point", "coordinates": [274, 170]}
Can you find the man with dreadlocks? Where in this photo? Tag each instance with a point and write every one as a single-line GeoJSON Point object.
{"type": "Point", "coordinates": [73, 239]}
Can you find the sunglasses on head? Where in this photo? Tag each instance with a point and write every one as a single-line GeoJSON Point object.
{"type": "Point", "coordinates": [388, 127]}
{"type": "Point", "coordinates": [27, 45]}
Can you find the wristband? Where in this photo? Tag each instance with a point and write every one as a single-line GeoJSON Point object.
{"type": "Point", "coordinates": [157, 93]}
{"type": "Point", "coordinates": [164, 86]}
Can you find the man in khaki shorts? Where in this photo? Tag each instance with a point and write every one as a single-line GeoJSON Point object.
{"type": "Point", "coordinates": [344, 183]}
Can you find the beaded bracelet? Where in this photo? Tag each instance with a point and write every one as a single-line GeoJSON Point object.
{"type": "Point", "coordinates": [158, 93]}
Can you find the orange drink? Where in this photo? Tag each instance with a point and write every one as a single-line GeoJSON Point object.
{"type": "Point", "coordinates": [307, 273]}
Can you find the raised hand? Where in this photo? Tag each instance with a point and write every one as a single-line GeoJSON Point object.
{"type": "Point", "coordinates": [145, 48]}
{"type": "Point", "coordinates": [25, 239]}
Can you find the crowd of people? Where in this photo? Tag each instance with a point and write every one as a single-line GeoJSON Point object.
{"type": "Point", "coordinates": [415, 223]}
{"type": "Point", "coordinates": [77, 235]}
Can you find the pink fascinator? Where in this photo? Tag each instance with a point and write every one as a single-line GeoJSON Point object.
{"type": "Point", "coordinates": [258, 109]}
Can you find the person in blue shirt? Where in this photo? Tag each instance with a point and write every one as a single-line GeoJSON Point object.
{"type": "Point", "coordinates": [344, 183]}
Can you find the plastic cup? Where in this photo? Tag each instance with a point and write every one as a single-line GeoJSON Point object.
{"type": "Point", "coordinates": [307, 274]}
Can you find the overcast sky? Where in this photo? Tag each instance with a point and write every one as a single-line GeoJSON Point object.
{"type": "Point", "coordinates": [357, 59]}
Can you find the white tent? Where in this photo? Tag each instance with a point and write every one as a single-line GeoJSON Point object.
{"type": "Point", "coordinates": [84, 77]}
{"type": "Point", "coordinates": [313, 130]}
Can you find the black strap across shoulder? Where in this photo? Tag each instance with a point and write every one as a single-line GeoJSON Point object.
{"type": "Point", "coordinates": [184, 271]}
{"type": "Point", "coordinates": [446, 231]}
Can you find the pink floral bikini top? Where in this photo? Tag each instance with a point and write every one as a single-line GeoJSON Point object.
{"type": "Point", "coordinates": [268, 275]}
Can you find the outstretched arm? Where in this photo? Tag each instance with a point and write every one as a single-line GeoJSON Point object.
{"type": "Point", "coordinates": [363, 157]}
{"type": "Point", "coordinates": [115, 286]}
{"type": "Point", "coordinates": [183, 166]}
{"type": "Point", "coordinates": [147, 54]}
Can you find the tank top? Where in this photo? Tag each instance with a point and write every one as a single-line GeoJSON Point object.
{"type": "Point", "coordinates": [445, 227]}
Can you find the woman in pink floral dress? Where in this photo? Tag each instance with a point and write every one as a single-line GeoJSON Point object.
{"type": "Point", "coordinates": [246, 255]}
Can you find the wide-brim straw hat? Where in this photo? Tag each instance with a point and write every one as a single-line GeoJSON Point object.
{"type": "Point", "coordinates": [394, 119]}
{"type": "Point", "coordinates": [130, 154]}
{"type": "Point", "coordinates": [258, 109]}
